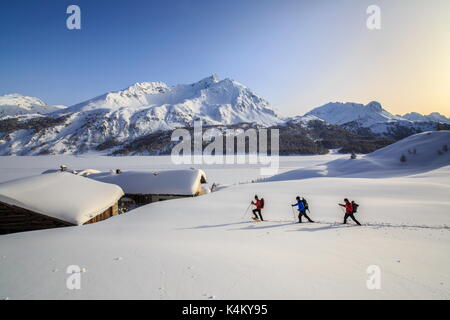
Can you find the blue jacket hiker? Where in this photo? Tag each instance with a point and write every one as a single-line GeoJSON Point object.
{"type": "Point", "coordinates": [301, 210]}
{"type": "Point", "coordinates": [300, 205]}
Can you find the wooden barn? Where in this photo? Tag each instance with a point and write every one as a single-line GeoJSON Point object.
{"type": "Point", "coordinates": [145, 187]}
{"type": "Point", "coordinates": [55, 200]}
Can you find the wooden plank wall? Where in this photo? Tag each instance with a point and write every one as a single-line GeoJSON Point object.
{"type": "Point", "coordinates": [142, 199]}
{"type": "Point", "coordinates": [15, 219]}
{"type": "Point", "coordinates": [108, 213]}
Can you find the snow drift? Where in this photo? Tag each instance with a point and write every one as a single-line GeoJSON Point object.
{"type": "Point", "coordinates": [207, 247]}
{"type": "Point", "coordinates": [422, 152]}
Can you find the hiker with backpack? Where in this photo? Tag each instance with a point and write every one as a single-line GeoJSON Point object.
{"type": "Point", "coordinates": [350, 209]}
{"type": "Point", "coordinates": [259, 204]}
{"type": "Point", "coordinates": [301, 209]}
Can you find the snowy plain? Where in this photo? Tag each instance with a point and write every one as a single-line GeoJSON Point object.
{"type": "Point", "coordinates": [208, 248]}
{"type": "Point", "coordinates": [13, 167]}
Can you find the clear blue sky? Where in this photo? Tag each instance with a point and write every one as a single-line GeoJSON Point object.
{"type": "Point", "coordinates": [296, 54]}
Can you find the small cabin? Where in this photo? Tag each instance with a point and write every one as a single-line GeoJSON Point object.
{"type": "Point", "coordinates": [63, 168]}
{"type": "Point", "coordinates": [145, 187]}
{"type": "Point", "coordinates": [55, 200]}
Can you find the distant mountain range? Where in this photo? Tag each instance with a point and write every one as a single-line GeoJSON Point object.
{"type": "Point", "coordinates": [434, 117]}
{"type": "Point", "coordinates": [138, 120]}
{"type": "Point", "coordinates": [373, 119]}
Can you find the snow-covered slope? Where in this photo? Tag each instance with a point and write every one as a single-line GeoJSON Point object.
{"type": "Point", "coordinates": [16, 104]}
{"type": "Point", "coordinates": [208, 248]}
{"type": "Point", "coordinates": [303, 120]}
{"type": "Point", "coordinates": [423, 152]}
{"type": "Point", "coordinates": [141, 109]}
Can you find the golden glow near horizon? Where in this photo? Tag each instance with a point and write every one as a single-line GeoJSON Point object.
{"type": "Point", "coordinates": [405, 65]}
{"type": "Point", "coordinates": [420, 70]}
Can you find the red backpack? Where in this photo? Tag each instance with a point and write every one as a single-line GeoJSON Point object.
{"type": "Point", "coordinates": [262, 203]}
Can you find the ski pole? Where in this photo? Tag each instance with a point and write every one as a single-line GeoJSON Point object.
{"type": "Point", "coordinates": [342, 209]}
{"type": "Point", "coordinates": [293, 213]}
{"type": "Point", "coordinates": [246, 211]}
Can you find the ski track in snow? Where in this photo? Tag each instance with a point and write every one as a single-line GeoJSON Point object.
{"type": "Point", "coordinates": [340, 224]}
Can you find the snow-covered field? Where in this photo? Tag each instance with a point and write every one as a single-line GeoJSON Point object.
{"type": "Point", "coordinates": [206, 247]}
{"type": "Point", "coordinates": [18, 167]}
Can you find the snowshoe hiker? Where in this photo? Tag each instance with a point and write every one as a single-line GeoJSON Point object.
{"type": "Point", "coordinates": [259, 204]}
{"type": "Point", "coordinates": [301, 210]}
{"type": "Point", "coordinates": [349, 211]}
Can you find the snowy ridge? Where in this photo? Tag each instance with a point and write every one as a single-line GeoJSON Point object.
{"type": "Point", "coordinates": [340, 113]}
{"type": "Point", "coordinates": [434, 116]}
{"type": "Point", "coordinates": [304, 120]}
{"type": "Point", "coordinates": [16, 104]}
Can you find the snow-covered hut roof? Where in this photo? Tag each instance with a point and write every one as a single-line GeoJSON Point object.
{"type": "Point", "coordinates": [61, 195]}
{"type": "Point", "coordinates": [172, 182]}
{"type": "Point", "coordinates": [81, 172]}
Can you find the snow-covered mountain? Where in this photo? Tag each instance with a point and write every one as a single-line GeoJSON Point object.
{"type": "Point", "coordinates": [341, 113]}
{"type": "Point", "coordinates": [135, 116]}
{"type": "Point", "coordinates": [373, 118]}
{"type": "Point", "coordinates": [143, 108]}
{"type": "Point", "coordinates": [434, 116]}
{"type": "Point", "coordinates": [16, 104]}
{"type": "Point", "coordinates": [159, 106]}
